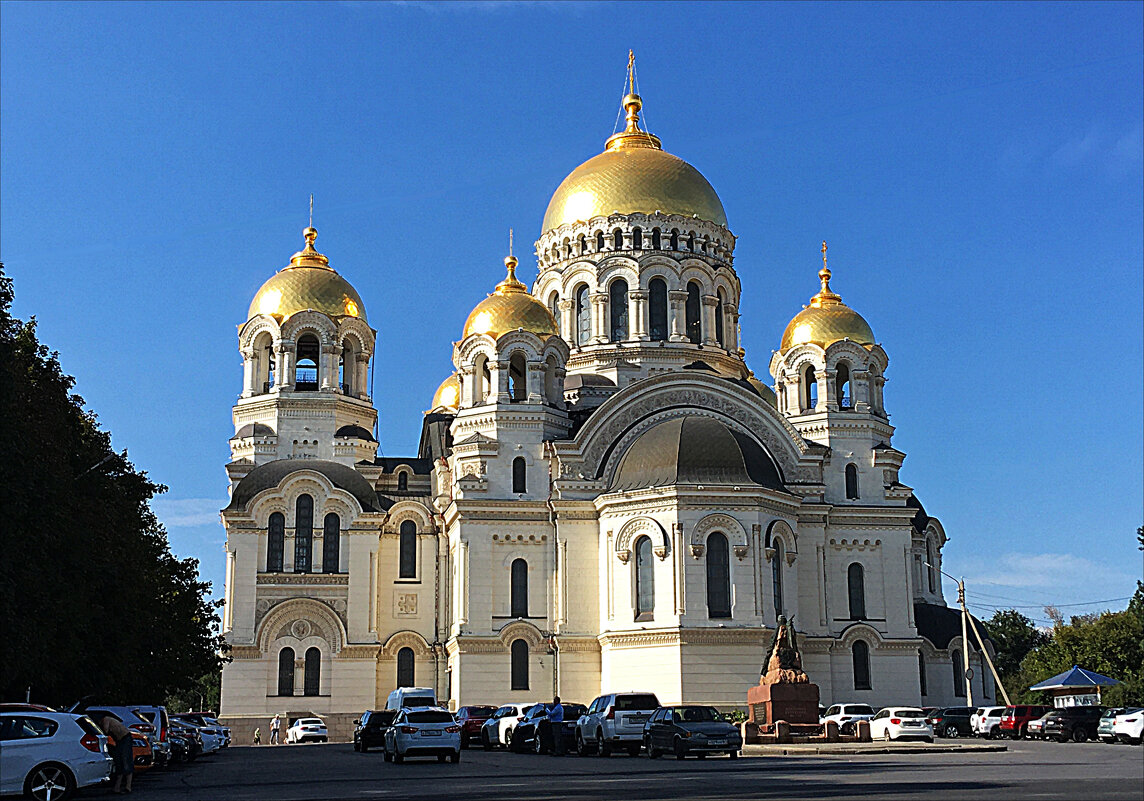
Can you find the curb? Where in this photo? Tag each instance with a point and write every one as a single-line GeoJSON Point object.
{"type": "Point", "coordinates": [872, 749]}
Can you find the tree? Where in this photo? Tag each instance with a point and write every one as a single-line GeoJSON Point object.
{"type": "Point", "coordinates": [1014, 636]}
{"type": "Point", "coordinates": [92, 599]}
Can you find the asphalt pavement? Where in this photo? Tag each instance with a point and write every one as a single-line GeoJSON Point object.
{"type": "Point", "coordinates": [1028, 770]}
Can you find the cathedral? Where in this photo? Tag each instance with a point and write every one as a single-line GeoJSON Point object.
{"type": "Point", "coordinates": [605, 497]}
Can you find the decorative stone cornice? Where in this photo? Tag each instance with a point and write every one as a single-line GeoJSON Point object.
{"type": "Point", "coordinates": [303, 579]}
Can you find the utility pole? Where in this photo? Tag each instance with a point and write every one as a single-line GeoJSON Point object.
{"type": "Point", "coordinates": [965, 642]}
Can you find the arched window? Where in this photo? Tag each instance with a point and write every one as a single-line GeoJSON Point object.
{"type": "Point", "coordinates": [402, 482]}
{"type": "Point", "coordinates": [331, 543]}
{"type": "Point", "coordinates": [275, 542]}
{"type": "Point", "coordinates": [675, 239]}
{"type": "Point", "coordinates": [856, 587]}
{"type": "Point", "coordinates": [842, 386]}
{"type": "Point", "coordinates": [719, 319]}
{"type": "Point", "coordinates": [809, 389]}
{"type": "Point", "coordinates": [263, 363]}
{"type": "Point", "coordinates": [691, 242]}
{"type": "Point", "coordinates": [958, 675]}
{"type": "Point", "coordinates": [567, 248]}
{"type": "Point", "coordinates": [718, 576]}
{"type": "Point", "coordinates": [581, 245]}
{"type": "Point", "coordinates": [637, 239]}
{"type": "Point", "coordinates": [554, 305]}
{"type": "Point", "coordinates": [657, 309]}
{"type": "Point", "coordinates": [519, 651]}
{"type": "Point", "coordinates": [517, 378]}
{"type": "Point", "coordinates": [922, 673]}
{"type": "Point", "coordinates": [346, 366]}
{"type": "Point", "coordinates": [408, 548]}
{"type": "Point", "coordinates": [309, 353]}
{"type": "Point", "coordinates": [551, 385]}
{"type": "Point", "coordinates": [518, 589]}
{"type": "Point", "coordinates": [618, 304]}
{"type": "Point", "coordinates": [286, 671]}
{"type": "Point", "coordinates": [519, 484]}
{"type": "Point", "coordinates": [694, 328]}
{"type": "Point", "coordinates": [931, 571]}
{"type": "Point", "coordinates": [656, 241]}
{"type": "Point", "coordinates": [645, 580]}
{"type": "Point", "coordinates": [851, 482]}
{"type": "Point", "coordinates": [861, 655]}
{"type": "Point", "coordinates": [777, 576]}
{"type": "Point", "coordinates": [303, 533]}
{"type": "Point", "coordinates": [617, 239]}
{"type": "Point", "coordinates": [599, 241]}
{"type": "Point", "coordinates": [312, 678]}
{"type": "Point", "coordinates": [406, 665]}
{"type": "Point", "coordinates": [583, 316]}
{"type": "Point", "coordinates": [481, 380]}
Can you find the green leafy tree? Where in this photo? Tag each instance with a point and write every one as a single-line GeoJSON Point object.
{"type": "Point", "coordinates": [91, 597]}
{"type": "Point", "coordinates": [1014, 636]}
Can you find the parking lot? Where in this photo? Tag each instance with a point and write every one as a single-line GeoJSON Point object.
{"type": "Point", "coordinates": [1041, 770]}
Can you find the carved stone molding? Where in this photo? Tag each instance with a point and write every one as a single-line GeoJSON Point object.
{"type": "Point", "coordinates": [639, 527]}
{"type": "Point", "coordinates": [303, 579]}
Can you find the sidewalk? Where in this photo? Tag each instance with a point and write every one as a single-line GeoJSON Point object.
{"type": "Point", "coordinates": [862, 749]}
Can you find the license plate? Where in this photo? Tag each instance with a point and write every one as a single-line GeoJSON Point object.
{"type": "Point", "coordinates": [430, 732]}
{"type": "Point", "coordinates": [637, 718]}
{"type": "Point", "coordinates": [717, 742]}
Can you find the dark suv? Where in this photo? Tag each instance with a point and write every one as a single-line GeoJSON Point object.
{"type": "Point", "coordinates": [1077, 723]}
{"type": "Point", "coordinates": [951, 721]}
{"type": "Point", "coordinates": [370, 728]}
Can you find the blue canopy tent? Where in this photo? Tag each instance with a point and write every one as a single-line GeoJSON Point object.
{"type": "Point", "coordinates": [1075, 687]}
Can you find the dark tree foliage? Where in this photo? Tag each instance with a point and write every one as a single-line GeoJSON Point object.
{"type": "Point", "coordinates": [1014, 636]}
{"type": "Point", "coordinates": [92, 601]}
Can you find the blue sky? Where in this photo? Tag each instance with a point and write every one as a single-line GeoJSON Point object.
{"type": "Point", "coordinates": [976, 169]}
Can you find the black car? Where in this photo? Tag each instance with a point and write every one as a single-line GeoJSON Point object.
{"type": "Point", "coordinates": [370, 728]}
{"type": "Point", "coordinates": [1077, 723]}
{"type": "Point", "coordinates": [683, 730]}
{"type": "Point", "coordinates": [951, 721]}
{"type": "Point", "coordinates": [186, 742]}
{"type": "Point", "coordinates": [536, 733]}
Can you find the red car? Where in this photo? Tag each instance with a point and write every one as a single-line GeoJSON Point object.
{"type": "Point", "coordinates": [471, 718]}
{"type": "Point", "coordinates": [1015, 720]}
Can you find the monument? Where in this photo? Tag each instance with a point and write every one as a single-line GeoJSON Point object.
{"type": "Point", "coordinates": [784, 691]}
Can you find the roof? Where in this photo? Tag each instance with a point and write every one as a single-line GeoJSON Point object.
{"type": "Point", "coordinates": [941, 624]}
{"type": "Point", "coordinates": [920, 519]}
{"type": "Point", "coordinates": [254, 430]}
{"type": "Point", "coordinates": [420, 467]}
{"type": "Point", "coordinates": [1074, 677]}
{"type": "Point", "coordinates": [357, 432]}
{"type": "Point", "coordinates": [271, 474]}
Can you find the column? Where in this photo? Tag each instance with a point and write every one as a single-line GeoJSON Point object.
{"type": "Point", "coordinates": [628, 240]}
{"type": "Point", "coordinates": [637, 314]}
{"type": "Point", "coordinates": [599, 317]}
{"type": "Point", "coordinates": [499, 370]}
{"type": "Point", "coordinates": [676, 298]}
{"type": "Point", "coordinates": [707, 335]}
{"type": "Point", "coordinates": [731, 326]}
{"type": "Point", "coordinates": [284, 378]}
{"type": "Point", "coordinates": [831, 377]}
{"type": "Point", "coordinates": [248, 376]}
{"type": "Point", "coordinates": [535, 382]}
{"type": "Point", "coordinates": [361, 376]}
{"type": "Point", "coordinates": [328, 370]}
{"type": "Point", "coordinates": [567, 321]}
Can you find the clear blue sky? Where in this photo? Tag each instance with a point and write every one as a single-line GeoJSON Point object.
{"type": "Point", "coordinates": [976, 169]}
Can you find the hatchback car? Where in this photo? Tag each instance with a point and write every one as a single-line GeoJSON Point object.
{"type": "Point", "coordinates": [846, 715]}
{"type": "Point", "coordinates": [307, 730]}
{"type": "Point", "coordinates": [425, 731]}
{"type": "Point", "coordinates": [615, 721]}
{"type": "Point", "coordinates": [1129, 726]}
{"type": "Point", "coordinates": [1076, 723]}
{"type": "Point", "coordinates": [683, 730]}
{"type": "Point", "coordinates": [48, 755]}
{"type": "Point", "coordinates": [986, 721]}
{"type": "Point", "coordinates": [901, 723]}
{"type": "Point", "coordinates": [471, 719]}
{"type": "Point", "coordinates": [369, 731]}
{"type": "Point", "coordinates": [1104, 727]}
{"type": "Point", "coordinates": [951, 721]}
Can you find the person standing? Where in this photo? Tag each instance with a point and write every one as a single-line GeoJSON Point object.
{"type": "Point", "coordinates": [257, 736]}
{"type": "Point", "coordinates": [121, 753]}
{"type": "Point", "coordinates": [556, 726]}
{"type": "Point", "coordinates": [275, 724]}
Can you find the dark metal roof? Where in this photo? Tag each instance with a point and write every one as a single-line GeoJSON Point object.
{"type": "Point", "coordinates": [695, 450]}
{"type": "Point", "coordinates": [940, 624]}
{"type": "Point", "coordinates": [587, 380]}
{"type": "Point", "coordinates": [271, 474]}
{"type": "Point", "coordinates": [1074, 677]}
{"type": "Point", "coordinates": [357, 432]}
{"type": "Point", "coordinates": [436, 439]}
{"type": "Point", "coordinates": [254, 430]}
{"type": "Point", "coordinates": [420, 467]}
{"type": "Point", "coordinates": [920, 519]}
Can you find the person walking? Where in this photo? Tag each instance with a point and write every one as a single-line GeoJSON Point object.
{"type": "Point", "coordinates": [275, 724]}
{"type": "Point", "coordinates": [257, 736]}
{"type": "Point", "coordinates": [556, 726]}
{"type": "Point", "coordinates": [124, 759]}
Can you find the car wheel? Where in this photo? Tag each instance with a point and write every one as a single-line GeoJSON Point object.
{"type": "Point", "coordinates": [50, 782]}
{"type": "Point", "coordinates": [602, 749]}
{"type": "Point", "coordinates": [581, 746]}
{"type": "Point", "coordinates": [538, 744]}
{"type": "Point", "coordinates": [485, 744]}
{"type": "Point", "coordinates": [398, 757]}
{"type": "Point", "coordinates": [679, 748]}
{"type": "Point", "coordinates": [951, 732]}
{"type": "Point", "coordinates": [455, 757]}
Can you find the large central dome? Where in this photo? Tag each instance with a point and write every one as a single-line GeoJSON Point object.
{"type": "Point", "coordinates": [633, 174]}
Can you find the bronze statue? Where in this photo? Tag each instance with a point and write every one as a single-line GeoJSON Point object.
{"type": "Point", "coordinates": [785, 663]}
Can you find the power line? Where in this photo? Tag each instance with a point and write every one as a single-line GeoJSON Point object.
{"type": "Point", "coordinates": [1065, 606]}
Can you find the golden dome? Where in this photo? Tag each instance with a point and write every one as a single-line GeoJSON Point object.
{"type": "Point", "coordinates": [307, 282]}
{"type": "Point", "coordinates": [765, 392]}
{"type": "Point", "coordinates": [633, 174]}
{"type": "Point", "coordinates": [448, 395]}
{"type": "Point", "coordinates": [508, 308]}
{"type": "Point", "coordinates": [827, 319]}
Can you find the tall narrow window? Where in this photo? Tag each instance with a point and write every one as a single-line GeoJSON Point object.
{"type": "Point", "coordinates": [303, 533]}
{"type": "Point", "coordinates": [657, 309]}
{"type": "Point", "coordinates": [347, 363]}
{"type": "Point", "coordinates": [581, 245]}
{"type": "Point", "coordinates": [617, 239]}
{"type": "Point", "coordinates": [518, 475]}
{"type": "Point", "coordinates": [691, 242]}
{"type": "Point", "coordinates": [675, 239]}
{"type": "Point", "coordinates": [275, 542]}
{"type": "Point", "coordinates": [777, 576]}
{"type": "Point", "coordinates": [958, 675]}
{"type": "Point", "coordinates": [718, 576]}
{"type": "Point", "coordinates": [408, 548]}
{"type": "Point", "coordinates": [809, 389]}
{"type": "Point", "coordinates": [406, 666]}
{"type": "Point", "coordinates": [519, 652]}
{"type": "Point", "coordinates": [583, 316]}
{"type": "Point", "coordinates": [306, 369]}
{"type": "Point", "coordinates": [286, 671]}
{"type": "Point", "coordinates": [599, 241]}
{"type": "Point", "coordinates": [694, 327]}
{"type": "Point", "coordinates": [931, 570]}
{"type": "Point", "coordinates": [922, 674]}
{"type": "Point", "coordinates": [851, 482]}
{"type": "Point", "coordinates": [618, 306]}
{"type": "Point", "coordinates": [719, 320]}
{"type": "Point", "coordinates": [856, 585]}
{"type": "Point", "coordinates": [403, 482]}
{"type": "Point", "coordinates": [637, 239]}
{"type": "Point", "coordinates": [554, 305]}
{"type": "Point", "coordinates": [656, 242]}
{"type": "Point", "coordinates": [312, 678]}
{"type": "Point", "coordinates": [517, 378]}
{"type": "Point", "coordinates": [481, 380]}
{"type": "Point", "coordinates": [645, 580]}
{"type": "Point", "coordinates": [842, 385]}
{"type": "Point", "coordinates": [861, 655]}
{"type": "Point", "coordinates": [331, 543]}
{"type": "Point", "coordinates": [518, 590]}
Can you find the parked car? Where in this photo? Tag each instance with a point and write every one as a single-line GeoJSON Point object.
{"type": "Point", "coordinates": [1035, 729]}
{"type": "Point", "coordinates": [142, 752]}
{"type": "Point", "coordinates": [1128, 726]}
{"type": "Point", "coordinates": [15, 706]}
{"type": "Point", "coordinates": [307, 730]}
{"type": "Point", "coordinates": [1015, 719]}
{"type": "Point", "coordinates": [212, 736]}
{"type": "Point", "coordinates": [410, 697]}
{"type": "Point", "coordinates": [615, 721]}
{"type": "Point", "coordinates": [184, 746]}
{"type": "Point", "coordinates": [129, 718]}
{"type": "Point", "coordinates": [846, 715]}
{"type": "Point", "coordinates": [986, 721]}
{"type": "Point", "coordinates": [208, 720]}
{"type": "Point", "coordinates": [49, 755]}
{"type": "Point", "coordinates": [683, 730]}
{"type": "Point", "coordinates": [535, 733]}
{"type": "Point", "coordinates": [497, 730]}
{"type": "Point", "coordinates": [423, 731]}
{"type": "Point", "coordinates": [1076, 723]}
{"type": "Point", "coordinates": [1104, 727]}
{"type": "Point", "coordinates": [471, 719]}
{"type": "Point", "coordinates": [901, 723]}
{"type": "Point", "coordinates": [369, 729]}
{"type": "Point", "coordinates": [158, 718]}
{"type": "Point", "coordinates": [951, 721]}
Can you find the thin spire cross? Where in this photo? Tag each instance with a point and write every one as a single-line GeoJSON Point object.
{"type": "Point", "coordinates": [311, 209]}
{"type": "Point", "coordinates": [631, 72]}
{"type": "Point", "coordinates": [510, 241]}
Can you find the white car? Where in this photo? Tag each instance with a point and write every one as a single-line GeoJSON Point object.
{"type": "Point", "coordinates": [847, 713]}
{"type": "Point", "coordinates": [900, 723]}
{"type": "Point", "coordinates": [423, 731]}
{"type": "Point", "coordinates": [212, 733]}
{"type": "Point", "coordinates": [497, 730]}
{"type": "Point", "coordinates": [307, 730]}
{"type": "Point", "coordinates": [986, 721]}
{"type": "Point", "coordinates": [48, 755]}
{"type": "Point", "coordinates": [1129, 726]}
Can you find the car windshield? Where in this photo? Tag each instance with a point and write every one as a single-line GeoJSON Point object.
{"type": "Point", "coordinates": [642, 701]}
{"type": "Point", "coordinates": [417, 700]}
{"type": "Point", "coordinates": [429, 716]}
{"type": "Point", "coordinates": [909, 713]}
{"type": "Point", "coordinates": [309, 722]}
{"type": "Point", "coordinates": [696, 714]}
{"type": "Point", "coordinates": [859, 709]}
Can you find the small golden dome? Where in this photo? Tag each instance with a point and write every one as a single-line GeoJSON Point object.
{"type": "Point", "coordinates": [307, 282]}
{"type": "Point", "coordinates": [827, 319]}
{"type": "Point", "coordinates": [765, 392]}
{"type": "Point", "coordinates": [448, 395]}
{"type": "Point", "coordinates": [633, 174]}
{"type": "Point", "coordinates": [509, 307]}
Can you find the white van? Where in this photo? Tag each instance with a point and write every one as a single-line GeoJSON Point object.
{"type": "Point", "coordinates": [406, 697]}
